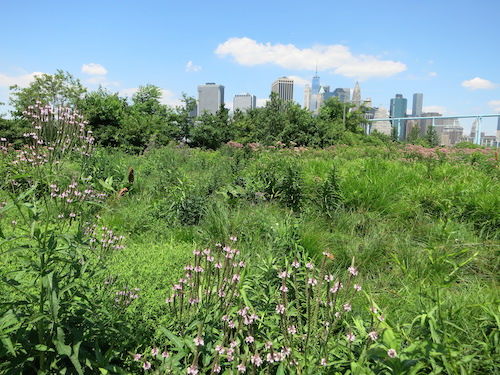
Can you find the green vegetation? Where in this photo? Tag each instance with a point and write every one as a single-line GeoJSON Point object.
{"type": "Point", "coordinates": [271, 257]}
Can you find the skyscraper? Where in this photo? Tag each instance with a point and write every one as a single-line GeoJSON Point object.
{"type": "Point", "coordinates": [398, 110]}
{"type": "Point", "coordinates": [244, 102]}
{"type": "Point", "coordinates": [284, 88]}
{"type": "Point", "coordinates": [314, 92]}
{"type": "Point", "coordinates": [416, 109]}
{"type": "Point", "coordinates": [307, 97]}
{"type": "Point", "coordinates": [210, 98]}
{"type": "Point", "coordinates": [356, 96]}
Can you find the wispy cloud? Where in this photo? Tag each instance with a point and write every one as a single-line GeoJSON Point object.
{"type": "Point", "coordinates": [337, 58]}
{"type": "Point", "coordinates": [22, 80]}
{"type": "Point", "coordinates": [495, 105]}
{"type": "Point", "coordinates": [94, 69]}
{"type": "Point", "coordinates": [299, 81]}
{"type": "Point", "coordinates": [190, 67]}
{"type": "Point", "coordinates": [478, 84]}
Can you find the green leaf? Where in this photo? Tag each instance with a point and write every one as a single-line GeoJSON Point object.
{"type": "Point", "coordinates": [281, 369]}
{"type": "Point", "coordinates": [173, 338]}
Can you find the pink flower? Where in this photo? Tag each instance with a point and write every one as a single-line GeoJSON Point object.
{"type": "Point", "coordinates": [292, 330]}
{"type": "Point", "coordinates": [192, 370]}
{"type": "Point", "coordinates": [283, 274]}
{"type": "Point", "coordinates": [164, 354]}
{"type": "Point", "coordinates": [217, 369]}
{"type": "Point", "coordinates": [347, 307]}
{"type": "Point", "coordinates": [312, 281]}
{"type": "Point", "coordinates": [357, 287]}
{"type": "Point", "coordinates": [146, 365]}
{"type": "Point", "coordinates": [353, 271]}
{"type": "Point", "coordinates": [249, 339]}
{"type": "Point", "coordinates": [329, 278]}
{"type": "Point", "coordinates": [373, 335]}
{"type": "Point", "coordinates": [241, 368]}
{"type": "Point", "coordinates": [284, 288]}
{"type": "Point", "coordinates": [310, 265]}
{"type": "Point", "coordinates": [295, 264]}
{"type": "Point", "coordinates": [233, 238]}
{"type": "Point", "coordinates": [256, 360]}
{"type": "Point", "coordinates": [154, 351]}
{"type": "Point", "coordinates": [323, 361]}
{"type": "Point", "coordinates": [280, 309]}
{"type": "Point", "coordinates": [392, 353]}
{"type": "Point", "coordinates": [137, 357]}
{"type": "Point", "coordinates": [198, 341]}
{"type": "Point", "coordinates": [350, 337]}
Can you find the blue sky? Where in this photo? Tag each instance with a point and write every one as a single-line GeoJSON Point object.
{"type": "Point", "coordinates": [449, 51]}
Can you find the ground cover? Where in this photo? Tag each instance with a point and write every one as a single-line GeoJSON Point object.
{"type": "Point", "coordinates": [421, 226]}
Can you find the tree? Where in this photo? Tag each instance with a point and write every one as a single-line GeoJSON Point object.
{"type": "Point", "coordinates": [105, 113]}
{"type": "Point", "coordinates": [211, 131]}
{"type": "Point", "coordinates": [432, 137]}
{"type": "Point", "coordinates": [414, 135]}
{"type": "Point", "coordinates": [58, 90]}
{"type": "Point", "coordinates": [184, 118]}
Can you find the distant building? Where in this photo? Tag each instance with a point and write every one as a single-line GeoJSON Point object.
{"type": "Point", "coordinates": [451, 135]}
{"type": "Point", "coordinates": [356, 96]}
{"type": "Point", "coordinates": [307, 97]}
{"type": "Point", "coordinates": [314, 92]}
{"type": "Point", "coordinates": [344, 95]}
{"type": "Point", "coordinates": [398, 110]}
{"type": "Point", "coordinates": [210, 98]}
{"type": "Point", "coordinates": [416, 109]}
{"type": "Point", "coordinates": [383, 127]}
{"type": "Point", "coordinates": [244, 102]}
{"type": "Point", "coordinates": [284, 88]}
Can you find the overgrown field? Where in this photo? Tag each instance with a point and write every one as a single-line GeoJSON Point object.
{"type": "Point", "coordinates": [369, 259]}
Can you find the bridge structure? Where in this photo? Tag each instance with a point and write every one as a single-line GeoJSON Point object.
{"type": "Point", "coordinates": [479, 120]}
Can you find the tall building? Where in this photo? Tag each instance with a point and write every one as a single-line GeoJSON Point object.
{"type": "Point", "coordinates": [356, 96]}
{"type": "Point", "coordinates": [416, 109]}
{"type": "Point", "coordinates": [315, 92]}
{"type": "Point", "coordinates": [284, 88]}
{"type": "Point", "coordinates": [398, 110]}
{"type": "Point", "coordinates": [307, 97]}
{"type": "Point", "coordinates": [244, 102]}
{"type": "Point", "coordinates": [344, 95]}
{"type": "Point", "coordinates": [210, 98]}
{"type": "Point", "coordinates": [383, 127]}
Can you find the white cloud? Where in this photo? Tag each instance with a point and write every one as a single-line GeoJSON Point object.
{"type": "Point", "coordinates": [20, 80]}
{"type": "Point", "coordinates": [336, 57]}
{"type": "Point", "coordinates": [433, 74]}
{"type": "Point", "coordinates": [190, 67]}
{"type": "Point", "coordinates": [435, 108]}
{"type": "Point", "coordinates": [94, 69]}
{"type": "Point", "coordinates": [299, 81]}
{"type": "Point", "coordinates": [495, 105]}
{"type": "Point", "coordinates": [478, 84]}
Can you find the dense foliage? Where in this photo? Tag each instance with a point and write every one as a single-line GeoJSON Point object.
{"type": "Point", "coordinates": [265, 255]}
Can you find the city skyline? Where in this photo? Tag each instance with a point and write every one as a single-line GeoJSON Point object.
{"type": "Point", "coordinates": [452, 60]}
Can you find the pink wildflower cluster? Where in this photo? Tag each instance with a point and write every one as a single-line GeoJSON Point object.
{"type": "Point", "coordinates": [58, 130]}
{"type": "Point", "coordinates": [103, 238]}
{"type": "Point", "coordinates": [126, 296]}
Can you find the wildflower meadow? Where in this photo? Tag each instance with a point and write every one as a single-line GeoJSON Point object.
{"type": "Point", "coordinates": [369, 258]}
